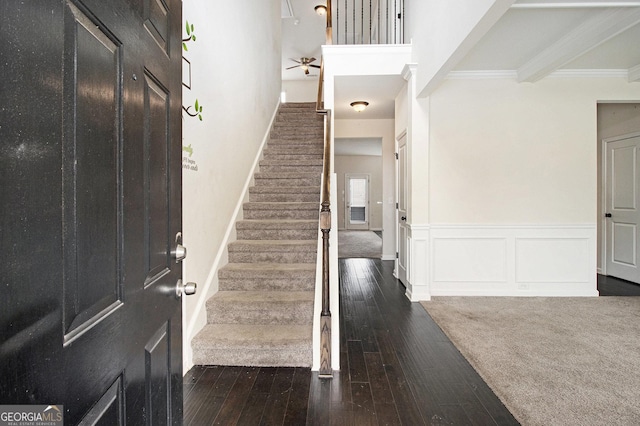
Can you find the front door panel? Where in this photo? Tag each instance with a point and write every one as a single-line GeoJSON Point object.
{"type": "Point", "coordinates": [91, 177]}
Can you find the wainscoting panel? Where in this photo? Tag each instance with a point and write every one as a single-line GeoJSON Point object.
{"type": "Point", "coordinates": [470, 259]}
{"type": "Point", "coordinates": [418, 265]}
{"type": "Point", "coordinates": [509, 260]}
{"type": "Point", "coordinates": [552, 260]}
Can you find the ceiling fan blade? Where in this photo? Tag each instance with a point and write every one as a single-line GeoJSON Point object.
{"type": "Point", "coordinates": [295, 60]}
{"type": "Point", "coordinates": [311, 60]}
{"type": "Point", "coordinates": [315, 66]}
{"type": "Point", "coordinates": [295, 66]}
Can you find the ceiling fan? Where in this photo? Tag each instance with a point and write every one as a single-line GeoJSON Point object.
{"type": "Point", "coordinates": [304, 64]}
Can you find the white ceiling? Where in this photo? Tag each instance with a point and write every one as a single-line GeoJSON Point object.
{"type": "Point", "coordinates": [302, 35]}
{"type": "Point", "coordinates": [532, 40]}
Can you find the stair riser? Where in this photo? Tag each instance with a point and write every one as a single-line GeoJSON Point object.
{"type": "Point", "coordinates": [272, 182]}
{"type": "Point", "coordinates": [261, 284]}
{"type": "Point", "coordinates": [282, 156]}
{"type": "Point", "coordinates": [278, 234]}
{"type": "Point", "coordinates": [274, 313]}
{"type": "Point", "coordinates": [297, 122]}
{"type": "Point", "coordinates": [293, 149]}
{"type": "Point", "coordinates": [302, 142]}
{"type": "Point", "coordinates": [281, 214]}
{"type": "Point", "coordinates": [292, 169]}
{"type": "Point", "coordinates": [241, 356]}
{"type": "Point", "coordinates": [296, 135]}
{"type": "Point", "coordinates": [284, 198]}
{"type": "Point", "coordinates": [271, 257]}
{"type": "Point", "coordinates": [292, 162]}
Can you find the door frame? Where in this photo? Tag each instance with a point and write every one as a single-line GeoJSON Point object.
{"type": "Point", "coordinates": [396, 270]}
{"type": "Point", "coordinates": [603, 191]}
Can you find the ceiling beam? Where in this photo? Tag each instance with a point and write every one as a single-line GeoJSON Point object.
{"type": "Point", "coordinates": [634, 74]}
{"type": "Point", "coordinates": [583, 38]}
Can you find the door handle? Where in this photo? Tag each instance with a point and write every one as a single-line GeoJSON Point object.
{"type": "Point", "coordinates": [404, 218]}
{"type": "Point", "coordinates": [187, 289]}
{"type": "Point", "coordinates": [180, 252]}
{"type": "Point", "coordinates": [607, 215]}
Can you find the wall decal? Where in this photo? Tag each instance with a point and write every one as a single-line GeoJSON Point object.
{"type": "Point", "coordinates": [186, 73]}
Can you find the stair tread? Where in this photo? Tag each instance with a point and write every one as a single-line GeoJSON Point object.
{"type": "Point", "coordinates": [279, 205]}
{"type": "Point", "coordinates": [291, 189]}
{"type": "Point", "coordinates": [285, 175]}
{"type": "Point", "coordinates": [275, 243]}
{"type": "Point", "coordinates": [276, 224]}
{"type": "Point", "coordinates": [257, 296]}
{"type": "Point", "coordinates": [269, 269]}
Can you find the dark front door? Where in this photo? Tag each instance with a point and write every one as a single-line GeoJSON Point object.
{"type": "Point", "coordinates": [90, 134]}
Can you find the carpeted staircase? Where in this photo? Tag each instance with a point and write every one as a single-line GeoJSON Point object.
{"type": "Point", "coordinates": [263, 311]}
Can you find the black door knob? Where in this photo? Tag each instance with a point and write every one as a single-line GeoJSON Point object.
{"type": "Point", "coordinates": [403, 218]}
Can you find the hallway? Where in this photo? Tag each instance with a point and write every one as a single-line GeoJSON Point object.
{"type": "Point", "coordinates": [397, 368]}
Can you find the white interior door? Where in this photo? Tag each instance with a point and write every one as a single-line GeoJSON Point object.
{"type": "Point", "coordinates": [357, 201]}
{"type": "Point", "coordinates": [402, 249]}
{"type": "Point", "coordinates": [622, 214]}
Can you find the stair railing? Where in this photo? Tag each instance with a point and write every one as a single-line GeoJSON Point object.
{"type": "Point", "coordinates": [325, 219]}
{"type": "Point", "coordinates": [369, 22]}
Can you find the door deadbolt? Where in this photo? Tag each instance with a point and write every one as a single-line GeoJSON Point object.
{"type": "Point", "coordinates": [180, 252]}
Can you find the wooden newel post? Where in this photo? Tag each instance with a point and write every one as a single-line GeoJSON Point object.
{"type": "Point", "coordinates": [325, 316]}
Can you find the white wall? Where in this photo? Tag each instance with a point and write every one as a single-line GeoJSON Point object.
{"type": "Point", "coordinates": [614, 119]}
{"type": "Point", "coordinates": [379, 129]}
{"type": "Point", "coordinates": [504, 152]}
{"type": "Point", "coordinates": [301, 90]}
{"type": "Point", "coordinates": [238, 105]}
{"type": "Point", "coordinates": [512, 187]}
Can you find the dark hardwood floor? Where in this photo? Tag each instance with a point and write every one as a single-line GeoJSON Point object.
{"type": "Point", "coordinates": [397, 368]}
{"type": "Point", "coordinates": [612, 286]}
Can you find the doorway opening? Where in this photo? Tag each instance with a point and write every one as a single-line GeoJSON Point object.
{"type": "Point", "coordinates": [619, 192]}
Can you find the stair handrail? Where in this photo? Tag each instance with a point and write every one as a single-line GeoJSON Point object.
{"type": "Point", "coordinates": [325, 218]}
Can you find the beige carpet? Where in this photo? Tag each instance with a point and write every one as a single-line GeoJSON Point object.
{"type": "Point", "coordinates": [354, 244]}
{"type": "Point", "coordinates": [552, 361]}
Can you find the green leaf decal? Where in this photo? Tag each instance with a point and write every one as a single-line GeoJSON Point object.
{"type": "Point", "coordinates": [197, 108]}
{"type": "Point", "coordinates": [193, 37]}
{"type": "Point", "coordinates": [188, 28]}
{"type": "Point", "coordinates": [191, 27]}
{"type": "Point", "coordinates": [200, 117]}
{"type": "Point", "coordinates": [184, 46]}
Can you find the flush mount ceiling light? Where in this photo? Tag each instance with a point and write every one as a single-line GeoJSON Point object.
{"type": "Point", "coordinates": [359, 106]}
{"type": "Point", "coordinates": [321, 9]}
